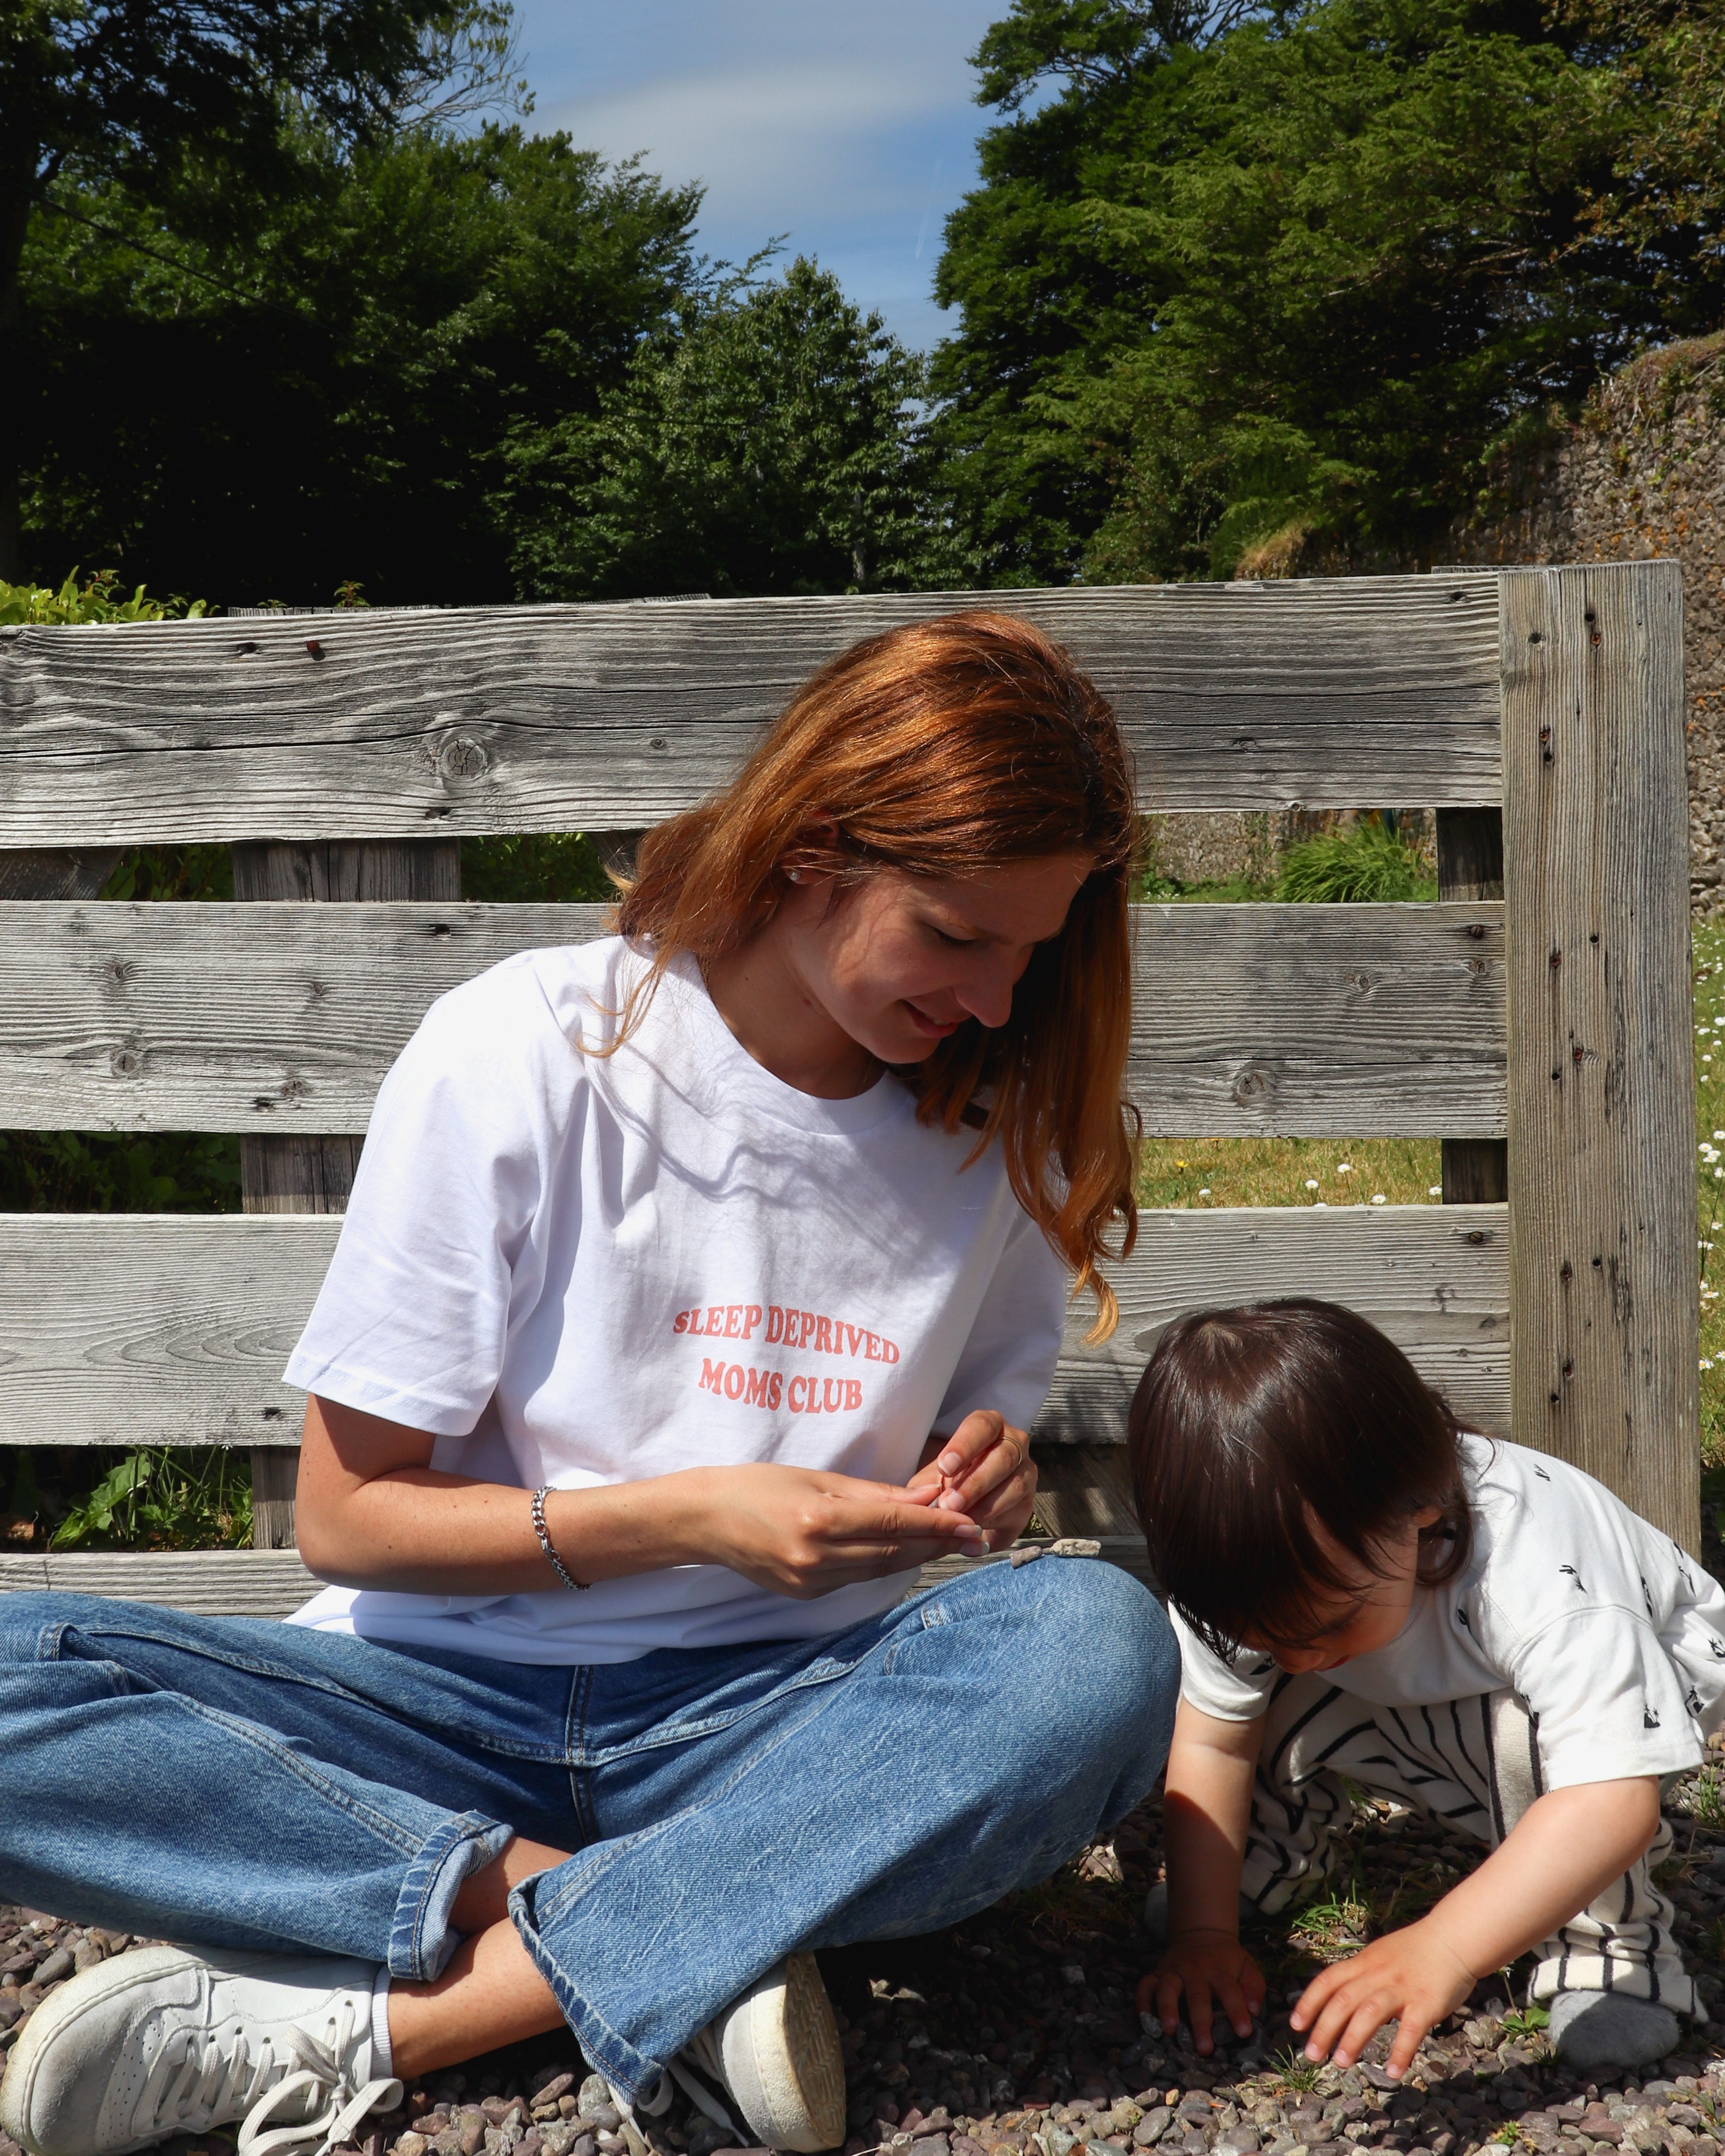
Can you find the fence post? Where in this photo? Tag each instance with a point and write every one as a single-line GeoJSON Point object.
{"type": "Point", "coordinates": [302, 1175]}
{"type": "Point", "coordinates": [1603, 1284]}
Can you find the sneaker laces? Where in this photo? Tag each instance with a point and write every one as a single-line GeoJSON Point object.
{"type": "Point", "coordinates": [319, 2073]}
{"type": "Point", "coordinates": [195, 2079]}
{"type": "Point", "coordinates": [702, 2053]}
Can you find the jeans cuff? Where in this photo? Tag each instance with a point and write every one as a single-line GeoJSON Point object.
{"type": "Point", "coordinates": [422, 1938]}
{"type": "Point", "coordinates": [609, 2054]}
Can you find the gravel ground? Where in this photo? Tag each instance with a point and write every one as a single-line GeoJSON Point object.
{"type": "Point", "coordinates": [1014, 2034]}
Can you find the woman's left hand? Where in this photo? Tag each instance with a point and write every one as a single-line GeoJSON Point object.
{"type": "Point", "coordinates": [985, 1471]}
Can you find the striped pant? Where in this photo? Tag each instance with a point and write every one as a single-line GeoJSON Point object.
{"type": "Point", "coordinates": [1473, 1763]}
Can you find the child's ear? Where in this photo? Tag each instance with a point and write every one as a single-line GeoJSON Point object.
{"type": "Point", "coordinates": [1428, 1515]}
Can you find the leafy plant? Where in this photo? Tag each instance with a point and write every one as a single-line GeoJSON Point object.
{"type": "Point", "coordinates": [1369, 863]}
{"type": "Point", "coordinates": [1526, 2021]}
{"type": "Point", "coordinates": [164, 1499]}
{"type": "Point", "coordinates": [92, 601]}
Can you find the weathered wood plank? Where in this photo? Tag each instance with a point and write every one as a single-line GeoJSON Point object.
{"type": "Point", "coordinates": [1085, 1490]}
{"type": "Point", "coordinates": [373, 724]}
{"type": "Point", "coordinates": [1602, 1100]}
{"type": "Point", "coordinates": [1435, 1278]}
{"type": "Point", "coordinates": [275, 1584]}
{"type": "Point", "coordinates": [208, 1583]}
{"type": "Point", "coordinates": [1354, 1021]}
{"type": "Point", "coordinates": [153, 1329]}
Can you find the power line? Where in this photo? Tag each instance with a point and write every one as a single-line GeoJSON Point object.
{"type": "Point", "coordinates": [167, 261]}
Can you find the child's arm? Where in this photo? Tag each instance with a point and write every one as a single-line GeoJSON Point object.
{"type": "Point", "coordinates": [1208, 1804]}
{"type": "Point", "coordinates": [1567, 1847]}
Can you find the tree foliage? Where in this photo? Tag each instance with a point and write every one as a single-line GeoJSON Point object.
{"type": "Point", "coordinates": [120, 93]}
{"type": "Point", "coordinates": [320, 380]}
{"type": "Point", "coordinates": [772, 441]}
{"type": "Point", "coordinates": [1255, 288]}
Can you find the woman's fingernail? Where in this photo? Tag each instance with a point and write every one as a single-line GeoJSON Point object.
{"type": "Point", "coordinates": [950, 1463]}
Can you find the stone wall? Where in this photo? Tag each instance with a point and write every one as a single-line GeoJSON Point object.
{"type": "Point", "coordinates": [1642, 475]}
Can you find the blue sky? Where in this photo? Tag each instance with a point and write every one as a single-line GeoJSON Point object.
{"type": "Point", "coordinates": [848, 125]}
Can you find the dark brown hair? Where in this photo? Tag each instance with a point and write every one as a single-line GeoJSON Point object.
{"type": "Point", "coordinates": [1251, 1428]}
{"type": "Point", "coordinates": [941, 749]}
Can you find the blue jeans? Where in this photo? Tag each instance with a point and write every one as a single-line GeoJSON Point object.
{"type": "Point", "coordinates": [242, 1783]}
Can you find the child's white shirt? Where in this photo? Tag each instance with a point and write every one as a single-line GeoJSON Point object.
{"type": "Point", "coordinates": [1613, 1636]}
{"type": "Point", "coordinates": [580, 1268]}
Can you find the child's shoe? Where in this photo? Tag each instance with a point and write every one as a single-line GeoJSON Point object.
{"type": "Point", "coordinates": [1606, 2029]}
{"type": "Point", "coordinates": [162, 2042]}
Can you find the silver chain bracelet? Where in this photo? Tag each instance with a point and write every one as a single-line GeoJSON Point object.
{"type": "Point", "coordinates": [552, 1558]}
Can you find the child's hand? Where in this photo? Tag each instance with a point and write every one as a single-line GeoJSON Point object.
{"type": "Point", "coordinates": [1213, 1969]}
{"type": "Point", "coordinates": [1411, 1975]}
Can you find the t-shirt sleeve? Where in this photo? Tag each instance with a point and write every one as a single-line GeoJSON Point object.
{"type": "Point", "coordinates": [1606, 1698]}
{"type": "Point", "coordinates": [1236, 1688]}
{"type": "Point", "coordinates": [1007, 1361]}
{"type": "Point", "coordinates": [412, 1317]}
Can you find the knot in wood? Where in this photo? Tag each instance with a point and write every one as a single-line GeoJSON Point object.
{"type": "Point", "coordinates": [1253, 1084]}
{"type": "Point", "coordinates": [463, 757]}
{"type": "Point", "coordinates": [1557, 958]}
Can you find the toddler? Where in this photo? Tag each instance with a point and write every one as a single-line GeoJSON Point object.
{"type": "Point", "coordinates": [1365, 1593]}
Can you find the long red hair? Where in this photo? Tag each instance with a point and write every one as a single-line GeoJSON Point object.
{"type": "Point", "coordinates": [940, 749]}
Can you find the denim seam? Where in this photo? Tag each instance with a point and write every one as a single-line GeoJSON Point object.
{"type": "Point", "coordinates": [595, 2035]}
{"type": "Point", "coordinates": [580, 1777]}
{"type": "Point", "coordinates": [605, 1854]}
{"type": "Point", "coordinates": [469, 1830]}
{"type": "Point", "coordinates": [263, 1666]}
{"type": "Point", "coordinates": [248, 1732]}
{"type": "Point", "coordinates": [684, 1732]}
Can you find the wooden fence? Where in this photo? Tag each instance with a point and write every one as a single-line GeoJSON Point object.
{"type": "Point", "coordinates": [1544, 1001]}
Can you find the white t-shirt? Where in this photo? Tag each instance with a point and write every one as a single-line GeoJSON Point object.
{"type": "Point", "coordinates": [577, 1269]}
{"type": "Point", "coordinates": [1613, 1636]}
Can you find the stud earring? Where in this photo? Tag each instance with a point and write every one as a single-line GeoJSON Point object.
{"type": "Point", "coordinates": [795, 876]}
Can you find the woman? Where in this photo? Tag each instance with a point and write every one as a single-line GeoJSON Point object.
{"type": "Point", "coordinates": [741, 1241]}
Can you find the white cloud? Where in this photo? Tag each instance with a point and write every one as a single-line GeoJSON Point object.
{"type": "Point", "coordinates": [780, 144]}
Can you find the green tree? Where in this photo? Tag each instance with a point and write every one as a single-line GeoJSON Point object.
{"type": "Point", "coordinates": [776, 442]}
{"type": "Point", "coordinates": [1278, 284]}
{"type": "Point", "coordinates": [118, 92]}
{"type": "Point", "coordinates": [318, 379]}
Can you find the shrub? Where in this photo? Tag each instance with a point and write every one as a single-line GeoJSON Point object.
{"type": "Point", "coordinates": [91, 601]}
{"type": "Point", "coordinates": [1367, 864]}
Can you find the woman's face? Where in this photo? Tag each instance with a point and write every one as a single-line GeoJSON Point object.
{"type": "Point", "coordinates": [903, 961]}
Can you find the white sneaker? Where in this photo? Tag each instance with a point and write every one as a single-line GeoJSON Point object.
{"type": "Point", "coordinates": [162, 2041]}
{"type": "Point", "coordinates": [774, 2052]}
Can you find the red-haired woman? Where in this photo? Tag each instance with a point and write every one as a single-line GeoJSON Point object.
{"type": "Point", "coordinates": [697, 1285]}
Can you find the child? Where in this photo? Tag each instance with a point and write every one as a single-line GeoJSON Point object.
{"type": "Point", "coordinates": [1364, 1592]}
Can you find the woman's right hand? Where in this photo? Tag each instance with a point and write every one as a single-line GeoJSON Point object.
{"type": "Point", "coordinates": [804, 1531]}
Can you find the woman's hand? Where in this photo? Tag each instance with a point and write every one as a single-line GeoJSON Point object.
{"type": "Point", "coordinates": [804, 1531]}
{"type": "Point", "coordinates": [1210, 1969]}
{"type": "Point", "coordinates": [984, 1472]}
{"type": "Point", "coordinates": [1413, 1976]}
